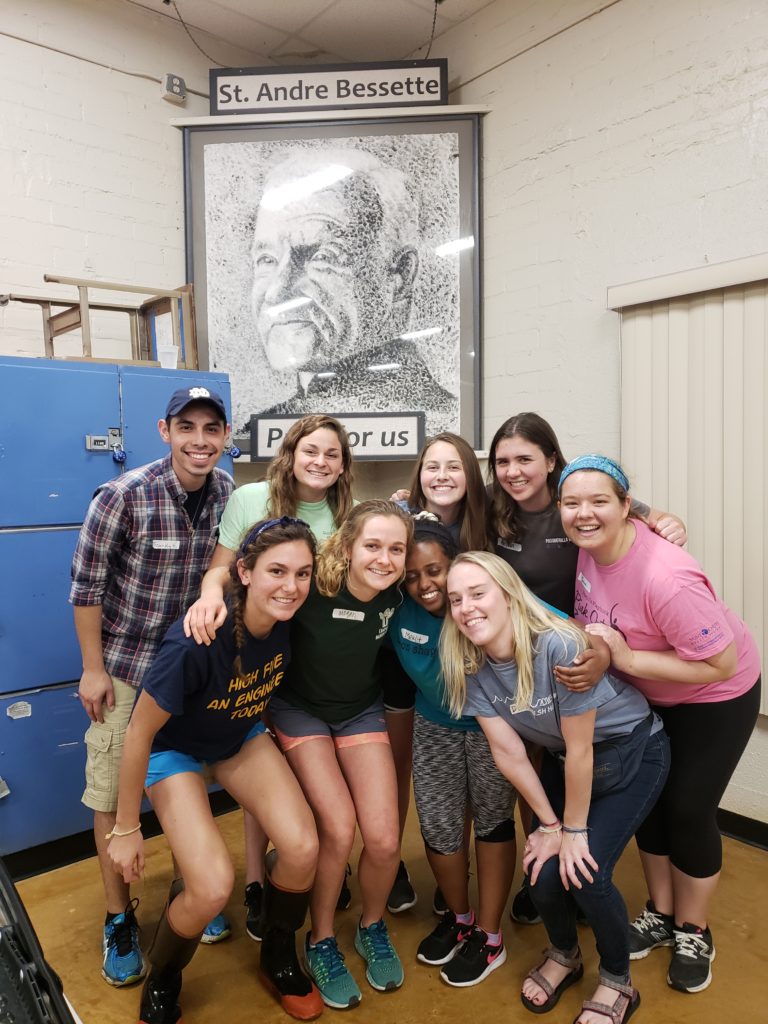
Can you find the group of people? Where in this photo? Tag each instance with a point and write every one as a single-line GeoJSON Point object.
{"type": "Point", "coordinates": [543, 635]}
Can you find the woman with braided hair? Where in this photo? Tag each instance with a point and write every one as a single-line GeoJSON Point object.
{"type": "Point", "coordinates": [202, 706]}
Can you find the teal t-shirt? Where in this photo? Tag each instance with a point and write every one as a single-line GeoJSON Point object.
{"type": "Point", "coordinates": [248, 504]}
{"type": "Point", "coordinates": [335, 642]}
{"type": "Point", "coordinates": [414, 633]}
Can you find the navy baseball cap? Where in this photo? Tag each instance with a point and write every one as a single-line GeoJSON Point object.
{"type": "Point", "coordinates": [179, 400]}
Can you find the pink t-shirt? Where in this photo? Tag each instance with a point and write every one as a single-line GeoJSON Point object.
{"type": "Point", "coordinates": [660, 600]}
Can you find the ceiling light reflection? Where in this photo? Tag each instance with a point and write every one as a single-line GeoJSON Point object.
{"type": "Point", "coordinates": [281, 195]}
{"type": "Point", "coordinates": [456, 246]}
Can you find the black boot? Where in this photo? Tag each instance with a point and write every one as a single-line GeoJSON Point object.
{"type": "Point", "coordinates": [169, 954]}
{"type": "Point", "coordinates": [283, 913]}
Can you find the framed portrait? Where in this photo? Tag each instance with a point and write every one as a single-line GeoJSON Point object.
{"type": "Point", "coordinates": [336, 266]}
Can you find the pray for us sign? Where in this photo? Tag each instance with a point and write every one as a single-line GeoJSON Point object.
{"type": "Point", "coordinates": [395, 436]}
{"type": "Point", "coordinates": [410, 83]}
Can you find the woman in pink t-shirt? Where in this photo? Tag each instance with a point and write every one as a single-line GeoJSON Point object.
{"type": "Point", "coordinates": [697, 664]}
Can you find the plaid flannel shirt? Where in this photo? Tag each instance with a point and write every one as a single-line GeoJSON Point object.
{"type": "Point", "coordinates": [140, 559]}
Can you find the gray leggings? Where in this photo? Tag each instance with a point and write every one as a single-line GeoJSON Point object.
{"type": "Point", "coordinates": [453, 768]}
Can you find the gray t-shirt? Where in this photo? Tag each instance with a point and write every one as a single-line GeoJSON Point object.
{"type": "Point", "coordinates": [619, 706]}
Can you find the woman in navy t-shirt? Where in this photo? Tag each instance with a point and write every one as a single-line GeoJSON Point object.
{"type": "Point", "coordinates": [202, 706]}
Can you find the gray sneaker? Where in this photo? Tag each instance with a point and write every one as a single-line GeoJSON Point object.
{"type": "Point", "coordinates": [650, 930]}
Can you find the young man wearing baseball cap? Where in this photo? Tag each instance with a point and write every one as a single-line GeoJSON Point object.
{"type": "Point", "coordinates": [146, 541]}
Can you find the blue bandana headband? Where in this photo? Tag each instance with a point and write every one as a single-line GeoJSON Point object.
{"type": "Point", "coordinates": [268, 524]}
{"type": "Point", "coordinates": [599, 462]}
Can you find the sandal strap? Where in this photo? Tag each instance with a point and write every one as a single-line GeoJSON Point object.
{"type": "Point", "coordinates": [541, 981]}
{"type": "Point", "coordinates": [571, 962]}
{"type": "Point", "coordinates": [614, 1013]}
{"type": "Point", "coordinates": [627, 990]}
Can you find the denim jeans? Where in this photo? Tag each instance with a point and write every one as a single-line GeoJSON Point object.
{"type": "Point", "coordinates": [613, 819]}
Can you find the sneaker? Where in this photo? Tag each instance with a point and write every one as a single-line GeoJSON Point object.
{"type": "Point", "coordinates": [384, 971]}
{"type": "Point", "coordinates": [216, 930]}
{"type": "Point", "coordinates": [345, 896]}
{"type": "Point", "coordinates": [444, 941]}
{"type": "Point", "coordinates": [474, 961]}
{"type": "Point", "coordinates": [325, 965]}
{"type": "Point", "coordinates": [523, 909]}
{"type": "Point", "coordinates": [690, 969]}
{"type": "Point", "coordinates": [254, 893]}
{"type": "Point", "coordinates": [123, 963]}
{"type": "Point", "coordinates": [402, 895]}
{"type": "Point", "coordinates": [439, 906]}
{"type": "Point", "coordinates": [650, 931]}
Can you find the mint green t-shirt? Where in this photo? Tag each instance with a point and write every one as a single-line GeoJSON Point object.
{"type": "Point", "coordinates": [248, 504]}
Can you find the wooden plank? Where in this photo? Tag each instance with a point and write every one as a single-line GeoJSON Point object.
{"type": "Point", "coordinates": [67, 320]}
{"type": "Point", "coordinates": [85, 317]}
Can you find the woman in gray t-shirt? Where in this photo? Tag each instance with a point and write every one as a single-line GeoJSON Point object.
{"type": "Point", "coordinates": [607, 761]}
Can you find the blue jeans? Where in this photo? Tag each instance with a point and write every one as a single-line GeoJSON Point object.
{"type": "Point", "coordinates": [613, 819]}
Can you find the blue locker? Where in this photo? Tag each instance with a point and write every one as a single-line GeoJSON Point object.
{"type": "Point", "coordinates": [48, 407]}
{"type": "Point", "coordinates": [37, 639]}
{"type": "Point", "coordinates": [41, 762]}
{"type": "Point", "coordinates": [47, 479]}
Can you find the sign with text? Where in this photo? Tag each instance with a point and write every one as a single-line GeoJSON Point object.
{"type": "Point", "coordinates": [409, 83]}
{"type": "Point", "coordinates": [384, 436]}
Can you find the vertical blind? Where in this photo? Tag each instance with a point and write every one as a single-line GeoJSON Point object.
{"type": "Point", "coordinates": [694, 431]}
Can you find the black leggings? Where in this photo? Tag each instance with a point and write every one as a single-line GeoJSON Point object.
{"type": "Point", "coordinates": [707, 741]}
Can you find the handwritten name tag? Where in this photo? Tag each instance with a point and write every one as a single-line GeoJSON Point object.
{"type": "Point", "coordinates": [510, 545]}
{"type": "Point", "coordinates": [348, 613]}
{"type": "Point", "coordinates": [415, 638]}
{"type": "Point", "coordinates": [585, 582]}
{"type": "Point", "coordinates": [166, 545]}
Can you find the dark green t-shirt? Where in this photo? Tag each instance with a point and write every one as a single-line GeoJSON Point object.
{"type": "Point", "coordinates": [334, 644]}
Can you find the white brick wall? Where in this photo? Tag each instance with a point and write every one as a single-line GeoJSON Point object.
{"type": "Point", "coordinates": [629, 145]}
{"type": "Point", "coordinates": [90, 168]}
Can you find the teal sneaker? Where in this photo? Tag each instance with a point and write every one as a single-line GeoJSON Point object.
{"type": "Point", "coordinates": [384, 972]}
{"type": "Point", "coordinates": [123, 963]}
{"type": "Point", "coordinates": [216, 930]}
{"type": "Point", "coordinates": [325, 965]}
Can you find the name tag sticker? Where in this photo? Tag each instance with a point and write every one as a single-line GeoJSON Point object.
{"type": "Point", "coordinates": [166, 545]}
{"type": "Point", "coordinates": [585, 582]}
{"type": "Point", "coordinates": [348, 613]}
{"type": "Point", "coordinates": [415, 638]}
{"type": "Point", "coordinates": [510, 545]}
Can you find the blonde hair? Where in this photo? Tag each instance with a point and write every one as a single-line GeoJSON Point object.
{"type": "Point", "coordinates": [333, 558]}
{"type": "Point", "coordinates": [530, 619]}
{"type": "Point", "coordinates": [282, 483]}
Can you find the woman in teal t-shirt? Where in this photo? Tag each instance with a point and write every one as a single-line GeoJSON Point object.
{"type": "Point", "coordinates": [453, 770]}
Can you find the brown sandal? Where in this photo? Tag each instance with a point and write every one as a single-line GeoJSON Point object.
{"type": "Point", "coordinates": [573, 963]}
{"type": "Point", "coordinates": [625, 1005]}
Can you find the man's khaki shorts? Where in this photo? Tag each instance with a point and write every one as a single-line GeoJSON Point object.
{"type": "Point", "coordinates": [104, 745]}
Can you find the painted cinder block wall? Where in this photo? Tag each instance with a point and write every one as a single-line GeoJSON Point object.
{"type": "Point", "coordinates": [625, 140]}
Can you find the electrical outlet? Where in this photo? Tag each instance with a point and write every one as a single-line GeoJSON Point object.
{"type": "Point", "coordinates": [174, 89]}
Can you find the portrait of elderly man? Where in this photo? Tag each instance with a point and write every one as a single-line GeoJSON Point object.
{"type": "Point", "coordinates": [325, 274]}
{"type": "Point", "coordinates": [335, 260]}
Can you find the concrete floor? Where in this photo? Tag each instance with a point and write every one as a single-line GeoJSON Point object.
{"type": "Point", "coordinates": [221, 985]}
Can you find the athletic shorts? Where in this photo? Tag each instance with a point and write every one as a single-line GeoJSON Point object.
{"type": "Point", "coordinates": [104, 750]}
{"type": "Point", "coordinates": [164, 763]}
{"type": "Point", "coordinates": [294, 726]}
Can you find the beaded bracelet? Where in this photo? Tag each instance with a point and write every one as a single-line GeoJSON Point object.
{"type": "Point", "coordinates": [114, 834]}
{"type": "Point", "coordinates": [550, 830]}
